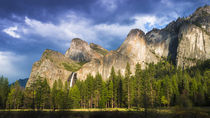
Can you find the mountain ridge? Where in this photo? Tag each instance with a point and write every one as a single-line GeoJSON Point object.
{"type": "Point", "coordinates": [183, 41]}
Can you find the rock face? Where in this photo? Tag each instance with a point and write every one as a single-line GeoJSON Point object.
{"type": "Point", "coordinates": [133, 50]}
{"type": "Point", "coordinates": [194, 38]}
{"type": "Point", "coordinates": [52, 66]}
{"type": "Point", "coordinates": [184, 41]}
{"type": "Point", "coordinates": [194, 45]}
{"type": "Point", "coordinates": [80, 51]}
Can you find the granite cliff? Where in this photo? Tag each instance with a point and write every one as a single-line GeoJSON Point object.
{"type": "Point", "coordinates": [184, 42]}
{"type": "Point", "coordinates": [53, 66]}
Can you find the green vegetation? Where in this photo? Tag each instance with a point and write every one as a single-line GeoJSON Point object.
{"type": "Point", "coordinates": [81, 63]}
{"type": "Point", "coordinates": [4, 89]}
{"type": "Point", "coordinates": [101, 51]}
{"type": "Point", "coordinates": [71, 67]}
{"type": "Point", "coordinates": [160, 85]}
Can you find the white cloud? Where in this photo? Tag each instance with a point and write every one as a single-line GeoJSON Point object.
{"type": "Point", "coordinates": [12, 31]}
{"type": "Point", "coordinates": [141, 22]}
{"type": "Point", "coordinates": [9, 67]}
{"type": "Point", "coordinates": [109, 5]}
{"type": "Point", "coordinates": [74, 26]}
{"type": "Point", "coordinates": [66, 30]}
{"type": "Point", "coordinates": [166, 2]}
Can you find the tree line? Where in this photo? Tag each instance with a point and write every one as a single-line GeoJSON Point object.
{"type": "Point", "coordinates": [159, 85]}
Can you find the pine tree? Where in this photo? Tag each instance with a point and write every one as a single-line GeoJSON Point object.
{"type": "Point", "coordinates": [65, 96]}
{"type": "Point", "coordinates": [126, 86]}
{"type": "Point", "coordinates": [29, 98]}
{"type": "Point", "coordinates": [103, 96]}
{"type": "Point", "coordinates": [4, 90]}
{"type": "Point", "coordinates": [175, 89]}
{"type": "Point", "coordinates": [145, 90]}
{"type": "Point", "coordinates": [110, 94]}
{"type": "Point", "coordinates": [115, 81]}
{"type": "Point", "coordinates": [83, 94]}
{"type": "Point", "coordinates": [38, 93]}
{"type": "Point", "coordinates": [97, 90]}
{"type": "Point", "coordinates": [207, 79]}
{"type": "Point", "coordinates": [138, 83]}
{"type": "Point", "coordinates": [45, 88]}
{"type": "Point", "coordinates": [90, 90]}
{"type": "Point", "coordinates": [119, 89]}
{"type": "Point", "coordinates": [15, 97]}
{"type": "Point", "coordinates": [53, 95]}
{"type": "Point", "coordinates": [74, 95]}
{"type": "Point", "coordinates": [60, 95]}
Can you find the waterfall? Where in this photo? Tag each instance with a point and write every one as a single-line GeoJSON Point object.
{"type": "Point", "coordinates": [72, 79]}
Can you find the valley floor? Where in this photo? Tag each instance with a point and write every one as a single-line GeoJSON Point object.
{"type": "Point", "coordinates": [162, 109]}
{"type": "Point", "coordinates": [195, 112]}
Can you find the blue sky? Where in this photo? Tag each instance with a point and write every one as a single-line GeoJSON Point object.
{"type": "Point", "coordinates": [28, 27]}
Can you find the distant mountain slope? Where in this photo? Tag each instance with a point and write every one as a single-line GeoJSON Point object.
{"type": "Point", "coordinates": [22, 82]}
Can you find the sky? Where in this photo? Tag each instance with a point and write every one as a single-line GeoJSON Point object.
{"type": "Point", "coordinates": [28, 27]}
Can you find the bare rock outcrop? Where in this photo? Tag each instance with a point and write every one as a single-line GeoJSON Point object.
{"type": "Point", "coordinates": [52, 66]}
{"type": "Point", "coordinates": [194, 45]}
{"type": "Point", "coordinates": [81, 51]}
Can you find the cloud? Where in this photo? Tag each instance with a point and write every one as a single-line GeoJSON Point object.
{"type": "Point", "coordinates": [74, 26]}
{"type": "Point", "coordinates": [12, 31]}
{"type": "Point", "coordinates": [166, 2]}
{"type": "Point", "coordinates": [109, 5]}
{"type": "Point", "coordinates": [64, 31]}
{"type": "Point", "coordinates": [9, 65]}
{"type": "Point", "coordinates": [143, 22]}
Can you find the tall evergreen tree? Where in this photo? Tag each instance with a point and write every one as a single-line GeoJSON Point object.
{"type": "Point", "coordinates": [15, 97]}
{"type": "Point", "coordinates": [4, 90]}
{"type": "Point", "coordinates": [127, 89]}
{"type": "Point", "coordinates": [74, 95]}
{"type": "Point", "coordinates": [66, 101]}
{"type": "Point", "coordinates": [115, 81]}
{"type": "Point", "coordinates": [90, 90]}
{"type": "Point", "coordinates": [60, 95]}
{"type": "Point", "coordinates": [110, 94]}
{"type": "Point", "coordinates": [103, 96]}
{"type": "Point", "coordinates": [45, 88]}
{"type": "Point", "coordinates": [54, 92]}
{"type": "Point", "coordinates": [138, 85]}
{"type": "Point", "coordinates": [120, 89]}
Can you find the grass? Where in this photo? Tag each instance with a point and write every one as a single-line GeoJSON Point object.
{"type": "Point", "coordinates": [80, 109]}
{"type": "Point", "coordinates": [161, 110]}
{"type": "Point", "coordinates": [175, 112]}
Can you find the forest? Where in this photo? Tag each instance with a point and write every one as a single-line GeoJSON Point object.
{"type": "Point", "coordinates": [159, 85]}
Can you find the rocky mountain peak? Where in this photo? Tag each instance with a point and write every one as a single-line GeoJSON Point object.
{"type": "Point", "coordinates": [81, 51]}
{"type": "Point", "coordinates": [201, 18]}
{"type": "Point", "coordinates": [48, 53]}
{"type": "Point", "coordinates": [200, 10]}
{"type": "Point", "coordinates": [78, 42]}
{"type": "Point", "coordinates": [135, 40]}
{"type": "Point", "coordinates": [135, 32]}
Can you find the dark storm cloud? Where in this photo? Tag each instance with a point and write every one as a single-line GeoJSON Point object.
{"type": "Point", "coordinates": [41, 9]}
{"type": "Point", "coordinates": [50, 10]}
